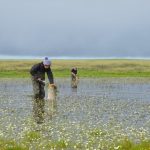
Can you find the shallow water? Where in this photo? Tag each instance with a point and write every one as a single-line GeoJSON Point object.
{"type": "Point", "coordinates": [107, 103]}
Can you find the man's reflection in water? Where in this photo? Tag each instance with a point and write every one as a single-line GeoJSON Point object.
{"type": "Point", "coordinates": [38, 110]}
{"type": "Point", "coordinates": [39, 106]}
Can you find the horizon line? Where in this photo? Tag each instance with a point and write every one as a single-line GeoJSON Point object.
{"type": "Point", "coordinates": [3, 57]}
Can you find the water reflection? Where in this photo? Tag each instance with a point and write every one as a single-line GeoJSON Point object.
{"type": "Point", "coordinates": [74, 90]}
{"type": "Point", "coordinates": [74, 82]}
{"type": "Point", "coordinates": [52, 108]}
{"type": "Point", "coordinates": [38, 110]}
{"type": "Point", "coordinates": [51, 101]}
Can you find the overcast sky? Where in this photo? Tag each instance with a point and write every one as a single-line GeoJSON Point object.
{"type": "Point", "coordinates": [86, 28]}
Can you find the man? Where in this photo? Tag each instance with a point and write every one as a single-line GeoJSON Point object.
{"type": "Point", "coordinates": [74, 77]}
{"type": "Point", "coordinates": [74, 73]}
{"type": "Point", "coordinates": [38, 80]}
{"type": "Point", "coordinates": [38, 77]}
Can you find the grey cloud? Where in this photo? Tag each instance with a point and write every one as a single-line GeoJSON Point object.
{"type": "Point", "coordinates": [75, 28]}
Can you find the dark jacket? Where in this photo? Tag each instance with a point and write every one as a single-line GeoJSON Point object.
{"type": "Point", "coordinates": [38, 71]}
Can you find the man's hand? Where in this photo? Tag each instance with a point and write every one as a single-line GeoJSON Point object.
{"type": "Point", "coordinates": [73, 74]}
{"type": "Point", "coordinates": [39, 79]}
{"type": "Point", "coordinates": [53, 85]}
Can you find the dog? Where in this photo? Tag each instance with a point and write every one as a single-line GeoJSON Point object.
{"type": "Point", "coordinates": [52, 104]}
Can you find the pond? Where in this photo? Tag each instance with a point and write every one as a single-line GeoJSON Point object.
{"type": "Point", "coordinates": [118, 107]}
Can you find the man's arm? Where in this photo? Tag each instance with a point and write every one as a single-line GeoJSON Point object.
{"type": "Point", "coordinates": [50, 76]}
{"type": "Point", "coordinates": [73, 74]}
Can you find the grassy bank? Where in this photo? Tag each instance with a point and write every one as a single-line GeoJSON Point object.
{"type": "Point", "coordinates": [87, 68]}
{"type": "Point", "coordinates": [33, 140]}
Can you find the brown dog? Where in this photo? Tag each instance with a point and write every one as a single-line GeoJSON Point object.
{"type": "Point", "coordinates": [52, 105]}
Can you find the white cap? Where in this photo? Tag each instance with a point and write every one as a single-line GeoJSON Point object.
{"type": "Point", "coordinates": [46, 61]}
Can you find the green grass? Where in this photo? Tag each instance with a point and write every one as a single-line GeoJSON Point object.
{"type": "Point", "coordinates": [82, 73]}
{"type": "Point", "coordinates": [86, 68]}
{"type": "Point", "coordinates": [33, 141]}
{"type": "Point", "coordinates": [10, 145]}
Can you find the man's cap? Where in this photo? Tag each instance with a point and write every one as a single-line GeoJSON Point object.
{"type": "Point", "coordinates": [46, 61]}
